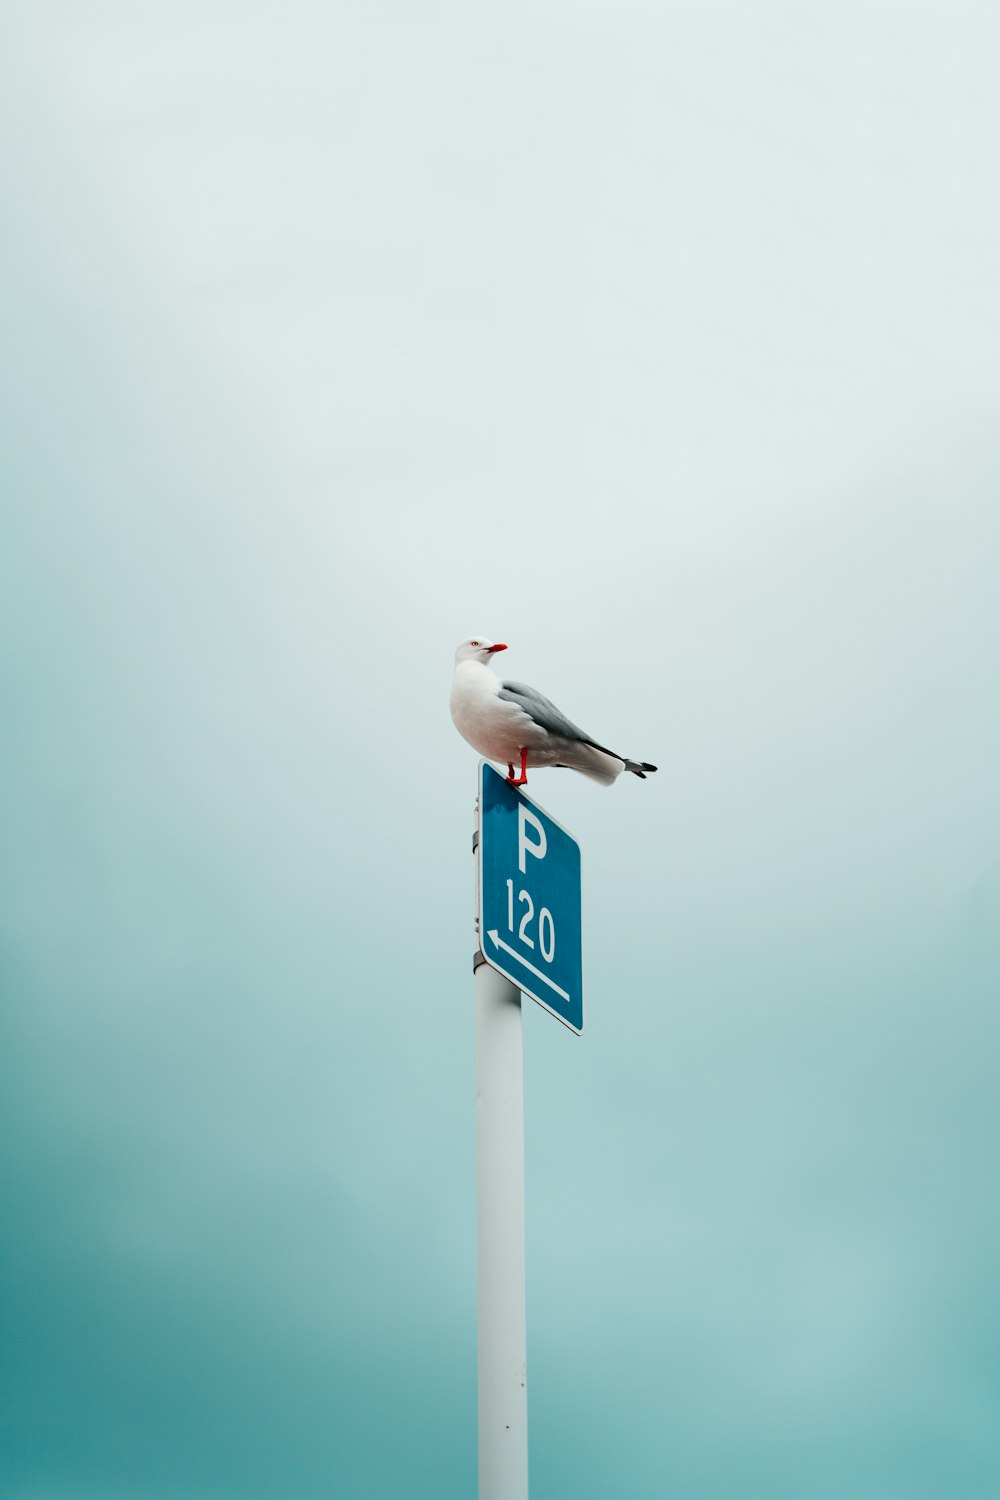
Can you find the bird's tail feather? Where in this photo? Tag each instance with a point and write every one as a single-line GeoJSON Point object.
{"type": "Point", "coordinates": [637, 767]}
{"type": "Point", "coordinates": [604, 766]}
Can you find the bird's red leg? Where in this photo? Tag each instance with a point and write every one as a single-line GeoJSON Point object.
{"type": "Point", "coordinates": [521, 780]}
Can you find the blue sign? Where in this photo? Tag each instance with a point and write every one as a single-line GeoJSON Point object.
{"type": "Point", "coordinates": [529, 898]}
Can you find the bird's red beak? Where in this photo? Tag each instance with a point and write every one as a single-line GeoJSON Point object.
{"type": "Point", "coordinates": [498, 647]}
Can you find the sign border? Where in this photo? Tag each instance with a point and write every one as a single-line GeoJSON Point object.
{"type": "Point", "coordinates": [480, 917]}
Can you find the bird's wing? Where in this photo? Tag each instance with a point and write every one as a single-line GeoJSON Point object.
{"type": "Point", "coordinates": [544, 713]}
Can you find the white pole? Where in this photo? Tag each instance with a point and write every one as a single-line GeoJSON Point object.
{"type": "Point", "coordinates": [502, 1352]}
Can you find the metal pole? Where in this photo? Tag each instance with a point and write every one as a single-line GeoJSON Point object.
{"type": "Point", "coordinates": [502, 1349]}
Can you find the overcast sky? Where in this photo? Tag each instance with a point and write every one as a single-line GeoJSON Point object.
{"type": "Point", "coordinates": [661, 342]}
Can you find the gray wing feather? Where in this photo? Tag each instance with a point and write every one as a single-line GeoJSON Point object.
{"type": "Point", "coordinates": [544, 712]}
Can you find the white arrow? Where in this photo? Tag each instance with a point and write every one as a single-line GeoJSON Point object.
{"type": "Point", "coordinates": [537, 972]}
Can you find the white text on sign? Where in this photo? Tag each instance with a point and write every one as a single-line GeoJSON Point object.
{"type": "Point", "coordinates": [524, 844]}
{"type": "Point", "coordinates": [546, 926]}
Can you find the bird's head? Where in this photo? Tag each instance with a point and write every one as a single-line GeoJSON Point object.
{"type": "Point", "coordinates": [477, 648]}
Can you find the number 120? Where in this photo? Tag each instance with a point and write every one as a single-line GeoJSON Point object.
{"type": "Point", "coordinates": [546, 926]}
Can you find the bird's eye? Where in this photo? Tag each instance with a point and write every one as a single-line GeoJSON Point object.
{"type": "Point", "coordinates": [475, 643]}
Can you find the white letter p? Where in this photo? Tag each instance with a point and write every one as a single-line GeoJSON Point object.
{"type": "Point", "coordinates": [524, 844]}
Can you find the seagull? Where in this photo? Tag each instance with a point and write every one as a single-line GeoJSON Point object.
{"type": "Point", "coordinates": [507, 721]}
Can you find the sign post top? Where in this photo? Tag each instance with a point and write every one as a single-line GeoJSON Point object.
{"type": "Point", "coordinates": [529, 898]}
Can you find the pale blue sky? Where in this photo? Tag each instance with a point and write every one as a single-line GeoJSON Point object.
{"type": "Point", "coordinates": [661, 342]}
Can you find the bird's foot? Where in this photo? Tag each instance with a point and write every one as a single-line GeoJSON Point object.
{"type": "Point", "coordinates": [521, 780]}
